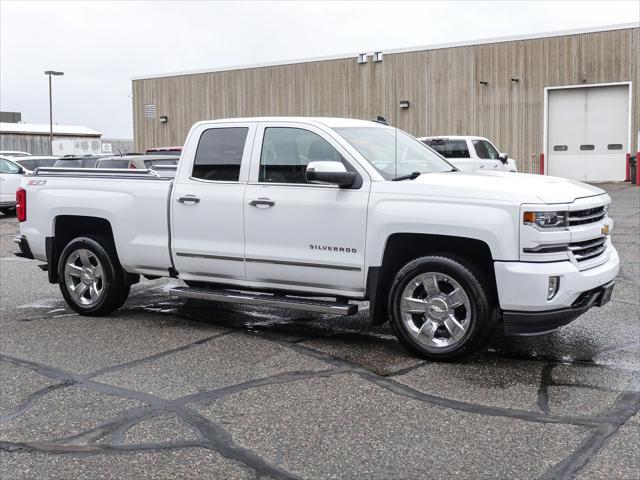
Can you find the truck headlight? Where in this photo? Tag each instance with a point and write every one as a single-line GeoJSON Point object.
{"type": "Point", "coordinates": [546, 219]}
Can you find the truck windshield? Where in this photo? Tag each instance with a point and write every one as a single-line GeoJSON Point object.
{"type": "Point", "coordinates": [393, 152]}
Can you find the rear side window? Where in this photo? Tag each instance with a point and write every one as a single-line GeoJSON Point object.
{"type": "Point", "coordinates": [29, 164]}
{"type": "Point", "coordinates": [485, 150]}
{"type": "Point", "coordinates": [46, 162]}
{"type": "Point", "coordinates": [219, 154]}
{"type": "Point", "coordinates": [113, 164]}
{"type": "Point", "coordinates": [68, 163]}
{"type": "Point", "coordinates": [450, 148]}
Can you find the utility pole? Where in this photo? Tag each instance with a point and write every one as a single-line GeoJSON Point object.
{"type": "Point", "coordinates": [51, 73]}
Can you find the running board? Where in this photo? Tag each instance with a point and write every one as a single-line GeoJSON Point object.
{"type": "Point", "coordinates": [265, 300]}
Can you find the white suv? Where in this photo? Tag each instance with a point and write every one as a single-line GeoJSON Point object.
{"type": "Point", "coordinates": [471, 153]}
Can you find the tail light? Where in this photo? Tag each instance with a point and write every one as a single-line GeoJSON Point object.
{"type": "Point", "coordinates": [21, 204]}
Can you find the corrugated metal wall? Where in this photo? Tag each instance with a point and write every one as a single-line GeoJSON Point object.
{"type": "Point", "coordinates": [442, 85]}
{"type": "Point", "coordinates": [34, 144]}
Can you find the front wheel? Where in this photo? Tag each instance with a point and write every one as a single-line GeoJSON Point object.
{"type": "Point", "coordinates": [440, 308]}
{"type": "Point", "coordinates": [92, 280]}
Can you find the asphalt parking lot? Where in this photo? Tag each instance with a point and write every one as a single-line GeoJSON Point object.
{"type": "Point", "coordinates": [168, 389]}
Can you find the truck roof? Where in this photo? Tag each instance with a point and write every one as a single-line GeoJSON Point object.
{"type": "Point", "coordinates": [331, 122]}
{"type": "Point", "coordinates": [452, 137]}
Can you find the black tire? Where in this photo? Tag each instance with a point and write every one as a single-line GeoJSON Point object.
{"type": "Point", "coordinates": [114, 282]}
{"type": "Point", "coordinates": [483, 312]}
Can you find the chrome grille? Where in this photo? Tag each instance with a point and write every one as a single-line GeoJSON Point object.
{"type": "Point", "coordinates": [587, 249]}
{"type": "Point", "coordinates": [590, 215]}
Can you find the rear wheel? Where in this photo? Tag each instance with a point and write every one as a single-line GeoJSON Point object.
{"type": "Point", "coordinates": [92, 280]}
{"type": "Point", "coordinates": [440, 308]}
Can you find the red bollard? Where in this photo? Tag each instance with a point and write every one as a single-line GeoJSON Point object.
{"type": "Point", "coordinates": [627, 177]}
{"type": "Point", "coordinates": [542, 164]}
{"type": "Point", "coordinates": [637, 169]}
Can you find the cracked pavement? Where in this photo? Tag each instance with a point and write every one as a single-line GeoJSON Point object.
{"type": "Point", "coordinates": [165, 388]}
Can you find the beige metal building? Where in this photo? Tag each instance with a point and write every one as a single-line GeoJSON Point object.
{"type": "Point", "coordinates": [570, 95]}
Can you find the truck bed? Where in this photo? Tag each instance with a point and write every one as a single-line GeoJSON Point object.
{"type": "Point", "coordinates": [135, 202]}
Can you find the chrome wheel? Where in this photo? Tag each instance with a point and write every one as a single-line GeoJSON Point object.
{"type": "Point", "coordinates": [435, 310]}
{"type": "Point", "coordinates": [84, 277]}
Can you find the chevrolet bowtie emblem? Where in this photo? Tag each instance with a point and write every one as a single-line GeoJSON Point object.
{"type": "Point", "coordinates": [605, 229]}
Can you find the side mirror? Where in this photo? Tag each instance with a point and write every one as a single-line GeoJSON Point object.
{"type": "Point", "coordinates": [329, 173]}
{"type": "Point", "coordinates": [503, 157]}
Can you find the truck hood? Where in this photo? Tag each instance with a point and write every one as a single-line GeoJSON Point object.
{"type": "Point", "coordinates": [504, 186]}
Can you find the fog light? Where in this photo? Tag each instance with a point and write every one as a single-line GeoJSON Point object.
{"type": "Point", "coordinates": [552, 289]}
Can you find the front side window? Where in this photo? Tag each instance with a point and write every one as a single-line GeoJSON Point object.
{"type": "Point", "coordinates": [8, 167]}
{"type": "Point", "coordinates": [392, 152]}
{"type": "Point", "coordinates": [485, 150]}
{"type": "Point", "coordinates": [286, 152]}
{"type": "Point", "coordinates": [450, 148]}
{"type": "Point", "coordinates": [219, 154]}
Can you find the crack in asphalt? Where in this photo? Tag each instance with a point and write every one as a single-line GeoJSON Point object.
{"type": "Point", "coordinates": [217, 438]}
{"type": "Point", "coordinates": [625, 406]}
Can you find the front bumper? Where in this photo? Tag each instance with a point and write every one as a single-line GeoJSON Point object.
{"type": "Point", "coordinates": [522, 286]}
{"type": "Point", "coordinates": [536, 323]}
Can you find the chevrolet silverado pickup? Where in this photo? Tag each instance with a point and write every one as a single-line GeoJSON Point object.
{"type": "Point", "coordinates": [320, 214]}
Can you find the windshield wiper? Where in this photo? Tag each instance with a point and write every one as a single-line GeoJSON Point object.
{"type": "Point", "coordinates": [411, 176]}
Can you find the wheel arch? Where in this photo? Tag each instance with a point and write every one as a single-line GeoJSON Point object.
{"type": "Point", "coordinates": [400, 248]}
{"type": "Point", "coordinates": [65, 229]}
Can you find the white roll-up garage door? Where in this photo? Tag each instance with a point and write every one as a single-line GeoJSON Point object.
{"type": "Point", "coordinates": [588, 132]}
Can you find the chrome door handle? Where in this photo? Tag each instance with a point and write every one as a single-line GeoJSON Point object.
{"type": "Point", "coordinates": [262, 202]}
{"type": "Point", "coordinates": [189, 199]}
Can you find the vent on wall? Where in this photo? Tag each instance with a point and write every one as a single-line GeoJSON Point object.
{"type": "Point", "coordinates": [150, 111]}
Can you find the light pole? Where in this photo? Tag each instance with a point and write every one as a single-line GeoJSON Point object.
{"type": "Point", "coordinates": [50, 73]}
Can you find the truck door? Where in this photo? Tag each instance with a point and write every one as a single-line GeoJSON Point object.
{"type": "Point", "coordinates": [487, 154]}
{"type": "Point", "coordinates": [207, 203]}
{"type": "Point", "coordinates": [300, 235]}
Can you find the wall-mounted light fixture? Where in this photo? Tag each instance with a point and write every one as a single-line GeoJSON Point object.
{"type": "Point", "coordinates": [482, 82]}
{"type": "Point", "coordinates": [404, 103]}
{"type": "Point", "coordinates": [164, 119]}
{"type": "Point", "coordinates": [515, 79]}
{"type": "Point", "coordinates": [377, 57]}
{"type": "Point", "coordinates": [362, 58]}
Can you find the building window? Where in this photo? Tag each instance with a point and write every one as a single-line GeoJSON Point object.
{"type": "Point", "coordinates": [219, 154]}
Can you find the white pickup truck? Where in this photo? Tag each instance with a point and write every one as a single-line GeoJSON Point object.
{"type": "Point", "coordinates": [282, 211]}
{"type": "Point", "coordinates": [470, 153]}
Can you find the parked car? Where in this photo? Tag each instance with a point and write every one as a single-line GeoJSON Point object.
{"type": "Point", "coordinates": [148, 161]}
{"type": "Point", "coordinates": [471, 153]}
{"type": "Point", "coordinates": [177, 151]}
{"type": "Point", "coordinates": [277, 211]}
{"type": "Point", "coordinates": [32, 162]}
{"type": "Point", "coordinates": [85, 161]}
{"type": "Point", "coordinates": [10, 177]}
{"type": "Point", "coordinates": [13, 153]}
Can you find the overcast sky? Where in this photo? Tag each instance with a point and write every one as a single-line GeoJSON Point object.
{"type": "Point", "coordinates": [100, 45]}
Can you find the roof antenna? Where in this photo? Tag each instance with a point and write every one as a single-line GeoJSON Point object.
{"type": "Point", "coordinates": [381, 119]}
